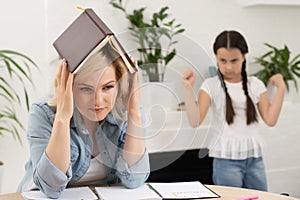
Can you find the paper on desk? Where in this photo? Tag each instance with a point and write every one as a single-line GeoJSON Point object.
{"type": "Point", "coordinates": [78, 193]}
{"type": "Point", "coordinates": [121, 193]}
{"type": "Point", "coordinates": [183, 190]}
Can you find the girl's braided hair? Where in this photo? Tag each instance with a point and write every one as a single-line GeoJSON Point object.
{"type": "Point", "coordinates": [233, 39]}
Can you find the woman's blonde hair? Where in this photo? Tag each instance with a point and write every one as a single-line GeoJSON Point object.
{"type": "Point", "coordinates": [106, 56]}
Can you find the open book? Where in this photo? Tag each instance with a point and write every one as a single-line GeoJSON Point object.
{"type": "Point", "coordinates": [85, 36]}
{"type": "Point", "coordinates": [157, 191]}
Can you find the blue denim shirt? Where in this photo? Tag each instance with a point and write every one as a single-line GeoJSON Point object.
{"type": "Point", "coordinates": [41, 172]}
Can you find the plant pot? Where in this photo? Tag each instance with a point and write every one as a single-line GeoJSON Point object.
{"type": "Point", "coordinates": [153, 72]}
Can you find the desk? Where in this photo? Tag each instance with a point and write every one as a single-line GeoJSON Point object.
{"type": "Point", "coordinates": [226, 193]}
{"type": "Point", "coordinates": [231, 193]}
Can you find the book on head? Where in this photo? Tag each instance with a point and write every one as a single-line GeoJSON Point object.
{"type": "Point", "coordinates": [85, 36]}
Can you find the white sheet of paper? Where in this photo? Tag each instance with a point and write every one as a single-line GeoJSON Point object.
{"type": "Point", "coordinates": [121, 193]}
{"type": "Point", "coordinates": [77, 193]}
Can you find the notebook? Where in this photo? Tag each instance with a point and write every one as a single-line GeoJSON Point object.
{"type": "Point", "coordinates": [157, 191]}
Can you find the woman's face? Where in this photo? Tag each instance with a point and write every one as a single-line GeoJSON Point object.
{"type": "Point", "coordinates": [95, 94]}
{"type": "Point", "coordinates": [230, 63]}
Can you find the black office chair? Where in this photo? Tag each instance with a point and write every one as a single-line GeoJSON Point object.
{"type": "Point", "coordinates": [176, 166]}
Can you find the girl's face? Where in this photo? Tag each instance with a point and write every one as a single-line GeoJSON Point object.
{"type": "Point", "coordinates": [230, 63]}
{"type": "Point", "coordinates": [95, 94]}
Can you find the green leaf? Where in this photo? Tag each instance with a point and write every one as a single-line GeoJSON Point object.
{"type": "Point", "coordinates": [8, 67]}
{"type": "Point", "coordinates": [21, 55]}
{"type": "Point", "coordinates": [152, 34]}
{"type": "Point", "coordinates": [179, 31]}
{"type": "Point", "coordinates": [278, 61]}
{"type": "Point", "coordinates": [170, 56]}
{"type": "Point", "coordinates": [295, 59]}
{"type": "Point", "coordinates": [115, 5]}
{"type": "Point", "coordinates": [18, 66]}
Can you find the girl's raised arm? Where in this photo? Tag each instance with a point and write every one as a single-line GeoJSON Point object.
{"type": "Point", "coordinates": [270, 111]}
{"type": "Point", "coordinates": [196, 110]}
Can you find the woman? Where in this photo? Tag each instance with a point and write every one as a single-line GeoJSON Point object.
{"type": "Point", "coordinates": [90, 132]}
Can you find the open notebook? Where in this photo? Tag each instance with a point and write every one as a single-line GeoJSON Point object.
{"type": "Point", "coordinates": [157, 191]}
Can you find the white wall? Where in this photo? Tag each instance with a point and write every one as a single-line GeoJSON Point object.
{"type": "Point", "coordinates": [31, 26]}
{"type": "Point", "coordinates": [22, 29]}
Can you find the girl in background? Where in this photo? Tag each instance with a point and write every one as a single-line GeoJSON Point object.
{"type": "Point", "coordinates": [236, 100]}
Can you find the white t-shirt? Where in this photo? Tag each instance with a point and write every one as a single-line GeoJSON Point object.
{"type": "Point", "coordinates": [95, 173]}
{"type": "Point", "coordinates": [238, 140]}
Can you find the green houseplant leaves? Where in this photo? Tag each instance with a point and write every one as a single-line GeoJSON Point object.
{"type": "Point", "coordinates": [278, 60]}
{"type": "Point", "coordinates": [155, 38]}
{"type": "Point", "coordinates": [15, 68]}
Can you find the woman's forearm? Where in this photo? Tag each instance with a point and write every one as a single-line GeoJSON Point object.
{"type": "Point", "coordinates": [58, 149]}
{"type": "Point", "coordinates": [134, 146]}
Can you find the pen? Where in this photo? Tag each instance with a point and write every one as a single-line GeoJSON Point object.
{"type": "Point", "coordinates": [249, 198]}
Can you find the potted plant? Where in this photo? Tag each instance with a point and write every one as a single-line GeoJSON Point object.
{"type": "Point", "coordinates": [155, 38]}
{"type": "Point", "coordinates": [15, 68]}
{"type": "Point", "coordinates": [277, 60]}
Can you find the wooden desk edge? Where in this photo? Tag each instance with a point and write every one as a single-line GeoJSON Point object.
{"type": "Point", "coordinates": [232, 193]}
{"type": "Point", "coordinates": [226, 193]}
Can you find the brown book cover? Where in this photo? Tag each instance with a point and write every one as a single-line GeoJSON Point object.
{"type": "Point", "coordinates": [84, 36]}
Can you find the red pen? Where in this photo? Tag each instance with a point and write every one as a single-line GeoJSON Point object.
{"type": "Point", "coordinates": [249, 198]}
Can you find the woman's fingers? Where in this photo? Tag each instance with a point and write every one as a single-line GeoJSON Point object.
{"type": "Point", "coordinates": [64, 78]}
{"type": "Point", "coordinates": [64, 74]}
{"type": "Point", "coordinates": [134, 96]}
{"type": "Point", "coordinates": [64, 91]}
{"type": "Point", "coordinates": [69, 85]}
{"type": "Point", "coordinates": [59, 72]}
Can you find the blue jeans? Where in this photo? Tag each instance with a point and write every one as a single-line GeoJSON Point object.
{"type": "Point", "coordinates": [249, 173]}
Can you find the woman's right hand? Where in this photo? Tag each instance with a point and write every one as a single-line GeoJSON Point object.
{"type": "Point", "coordinates": [64, 92]}
{"type": "Point", "coordinates": [58, 149]}
{"type": "Point", "coordinates": [188, 78]}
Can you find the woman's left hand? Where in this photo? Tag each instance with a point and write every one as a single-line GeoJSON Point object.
{"type": "Point", "coordinates": [134, 93]}
{"type": "Point", "coordinates": [133, 104]}
{"type": "Point", "coordinates": [134, 145]}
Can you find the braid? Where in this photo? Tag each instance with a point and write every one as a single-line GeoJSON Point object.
{"type": "Point", "coordinates": [251, 111]}
{"type": "Point", "coordinates": [233, 39]}
{"type": "Point", "coordinates": [244, 78]}
{"type": "Point", "coordinates": [229, 108]}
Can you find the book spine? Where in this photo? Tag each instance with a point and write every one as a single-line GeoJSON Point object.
{"type": "Point", "coordinates": [101, 25]}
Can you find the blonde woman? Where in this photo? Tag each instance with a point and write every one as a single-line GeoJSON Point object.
{"type": "Point", "coordinates": [90, 132]}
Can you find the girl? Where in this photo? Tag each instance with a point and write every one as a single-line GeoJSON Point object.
{"type": "Point", "coordinates": [90, 132]}
{"type": "Point", "coordinates": [235, 99]}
